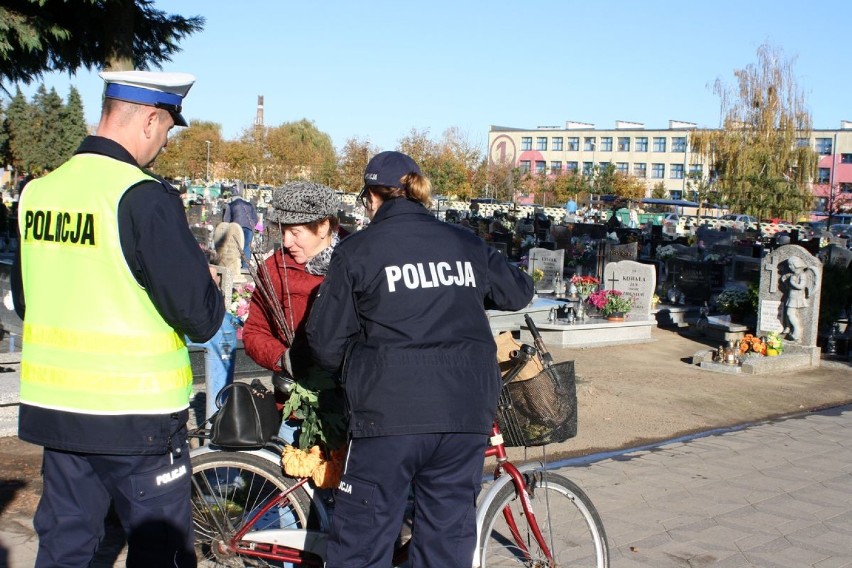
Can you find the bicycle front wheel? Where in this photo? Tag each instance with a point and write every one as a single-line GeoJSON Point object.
{"type": "Point", "coordinates": [568, 523]}
{"type": "Point", "coordinates": [228, 490]}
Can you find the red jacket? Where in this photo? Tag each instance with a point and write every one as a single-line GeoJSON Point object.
{"type": "Point", "coordinates": [261, 342]}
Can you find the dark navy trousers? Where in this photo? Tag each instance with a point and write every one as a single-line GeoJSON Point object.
{"type": "Point", "coordinates": [151, 496]}
{"type": "Point", "coordinates": [446, 471]}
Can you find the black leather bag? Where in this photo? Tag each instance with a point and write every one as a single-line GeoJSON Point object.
{"type": "Point", "coordinates": [246, 419]}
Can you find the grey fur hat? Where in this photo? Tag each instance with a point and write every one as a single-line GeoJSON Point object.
{"type": "Point", "coordinates": [299, 202]}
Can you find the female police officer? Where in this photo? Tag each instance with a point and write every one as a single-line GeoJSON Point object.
{"type": "Point", "coordinates": [405, 300]}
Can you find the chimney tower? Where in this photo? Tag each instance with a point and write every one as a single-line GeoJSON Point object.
{"type": "Point", "coordinates": [258, 121]}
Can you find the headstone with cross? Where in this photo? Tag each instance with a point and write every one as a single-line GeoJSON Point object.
{"type": "Point", "coordinates": [633, 279]}
{"type": "Point", "coordinates": [789, 294]}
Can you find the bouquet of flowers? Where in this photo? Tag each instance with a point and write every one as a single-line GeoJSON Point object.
{"type": "Point", "coordinates": [752, 344]}
{"type": "Point", "coordinates": [609, 302]}
{"type": "Point", "coordinates": [774, 345]}
{"type": "Point", "coordinates": [585, 285]}
{"type": "Point", "coordinates": [578, 253]}
{"type": "Point", "coordinates": [666, 252]}
{"type": "Point", "coordinates": [241, 299]}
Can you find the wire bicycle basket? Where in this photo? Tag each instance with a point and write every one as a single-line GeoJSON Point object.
{"type": "Point", "coordinates": [541, 410]}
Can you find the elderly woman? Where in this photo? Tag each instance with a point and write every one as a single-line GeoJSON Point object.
{"type": "Point", "coordinates": [305, 214]}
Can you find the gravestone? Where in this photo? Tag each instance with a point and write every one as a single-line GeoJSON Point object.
{"type": "Point", "coordinates": [698, 280]}
{"type": "Point", "coordinates": [228, 241]}
{"type": "Point", "coordinates": [712, 237]}
{"type": "Point", "coordinates": [746, 269]}
{"type": "Point", "coordinates": [789, 295]}
{"type": "Point", "coordinates": [632, 279]}
{"type": "Point", "coordinates": [833, 254]}
{"type": "Point", "coordinates": [616, 253]}
{"type": "Point", "coordinates": [549, 262]}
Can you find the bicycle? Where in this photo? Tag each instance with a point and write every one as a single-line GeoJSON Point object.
{"type": "Point", "coordinates": [247, 512]}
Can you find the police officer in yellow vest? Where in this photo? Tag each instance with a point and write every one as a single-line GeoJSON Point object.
{"type": "Point", "coordinates": [109, 280]}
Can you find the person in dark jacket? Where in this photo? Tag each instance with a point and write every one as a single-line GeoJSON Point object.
{"type": "Point", "coordinates": [108, 281]}
{"type": "Point", "coordinates": [243, 213]}
{"type": "Point", "coordinates": [404, 303]}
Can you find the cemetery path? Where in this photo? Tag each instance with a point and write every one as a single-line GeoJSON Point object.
{"type": "Point", "coordinates": [629, 395]}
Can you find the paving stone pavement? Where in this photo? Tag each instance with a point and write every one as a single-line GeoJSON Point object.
{"type": "Point", "coordinates": [777, 494]}
{"type": "Point", "coordinates": [774, 494]}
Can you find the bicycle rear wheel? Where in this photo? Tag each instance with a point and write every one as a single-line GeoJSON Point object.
{"type": "Point", "coordinates": [566, 517]}
{"type": "Point", "coordinates": [228, 489]}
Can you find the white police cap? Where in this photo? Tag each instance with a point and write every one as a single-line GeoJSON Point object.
{"type": "Point", "coordinates": [151, 88]}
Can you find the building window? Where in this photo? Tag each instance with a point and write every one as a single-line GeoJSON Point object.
{"type": "Point", "coordinates": [602, 166]}
{"type": "Point", "coordinates": [587, 168]}
{"type": "Point", "coordinates": [823, 175]}
{"type": "Point", "coordinates": [659, 144]}
{"type": "Point", "coordinates": [679, 144]}
{"type": "Point", "coordinates": [845, 187]}
{"type": "Point", "coordinates": [676, 171]}
{"type": "Point", "coordinates": [640, 170]}
{"type": "Point", "coordinates": [696, 171]}
{"type": "Point", "coordinates": [556, 144]}
{"type": "Point", "coordinates": [675, 194]}
{"type": "Point", "coordinates": [621, 167]}
{"type": "Point", "coordinates": [658, 171]}
{"type": "Point", "coordinates": [823, 146]}
{"type": "Point", "coordinates": [573, 144]}
{"type": "Point", "coordinates": [540, 166]}
{"type": "Point", "coordinates": [526, 143]}
{"type": "Point", "coordinates": [623, 143]}
{"type": "Point", "coordinates": [571, 166]}
{"type": "Point", "coordinates": [555, 166]}
{"type": "Point", "coordinates": [541, 143]}
{"type": "Point", "coordinates": [525, 165]}
{"type": "Point", "coordinates": [641, 144]}
{"type": "Point", "coordinates": [846, 158]}
{"type": "Point", "coordinates": [606, 144]}
{"type": "Point", "coordinates": [589, 143]}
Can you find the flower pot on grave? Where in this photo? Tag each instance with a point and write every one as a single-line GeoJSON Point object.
{"type": "Point", "coordinates": [615, 317]}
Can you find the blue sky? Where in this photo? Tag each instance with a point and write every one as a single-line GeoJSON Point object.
{"type": "Point", "coordinates": [376, 69]}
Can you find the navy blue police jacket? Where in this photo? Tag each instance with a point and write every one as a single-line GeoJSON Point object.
{"type": "Point", "coordinates": [404, 304]}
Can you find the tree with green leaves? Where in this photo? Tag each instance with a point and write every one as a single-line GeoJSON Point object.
{"type": "Point", "coordinates": [19, 117]}
{"type": "Point", "coordinates": [761, 167]}
{"type": "Point", "coordinates": [43, 36]}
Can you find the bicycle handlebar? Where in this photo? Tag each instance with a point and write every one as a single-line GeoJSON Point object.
{"type": "Point", "coordinates": [520, 358]}
{"type": "Point", "coordinates": [543, 353]}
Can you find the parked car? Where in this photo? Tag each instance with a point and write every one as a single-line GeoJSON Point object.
{"type": "Point", "coordinates": [812, 229]}
{"type": "Point", "coordinates": [841, 230]}
{"type": "Point", "coordinates": [739, 222]}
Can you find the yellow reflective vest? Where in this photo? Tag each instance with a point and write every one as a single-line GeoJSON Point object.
{"type": "Point", "coordinates": [93, 342]}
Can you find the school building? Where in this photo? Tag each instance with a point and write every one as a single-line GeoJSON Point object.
{"type": "Point", "coordinates": [658, 155]}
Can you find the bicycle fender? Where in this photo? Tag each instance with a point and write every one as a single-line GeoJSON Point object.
{"type": "Point", "coordinates": [486, 500]}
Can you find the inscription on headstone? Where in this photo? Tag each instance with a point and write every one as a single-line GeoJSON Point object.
{"type": "Point", "coordinates": [615, 253]}
{"type": "Point", "coordinates": [633, 279]}
{"type": "Point", "coordinates": [549, 262]}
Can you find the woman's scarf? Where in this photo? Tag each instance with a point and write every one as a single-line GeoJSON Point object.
{"type": "Point", "coordinates": [318, 265]}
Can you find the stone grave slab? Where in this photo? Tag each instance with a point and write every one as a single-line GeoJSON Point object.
{"type": "Point", "coordinates": [789, 294]}
{"type": "Point", "coordinates": [633, 279]}
{"type": "Point", "coordinates": [549, 262]}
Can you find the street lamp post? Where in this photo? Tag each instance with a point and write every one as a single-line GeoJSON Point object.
{"type": "Point", "coordinates": [208, 160]}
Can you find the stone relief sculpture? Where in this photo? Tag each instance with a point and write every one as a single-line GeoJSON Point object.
{"type": "Point", "coordinates": [798, 285]}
